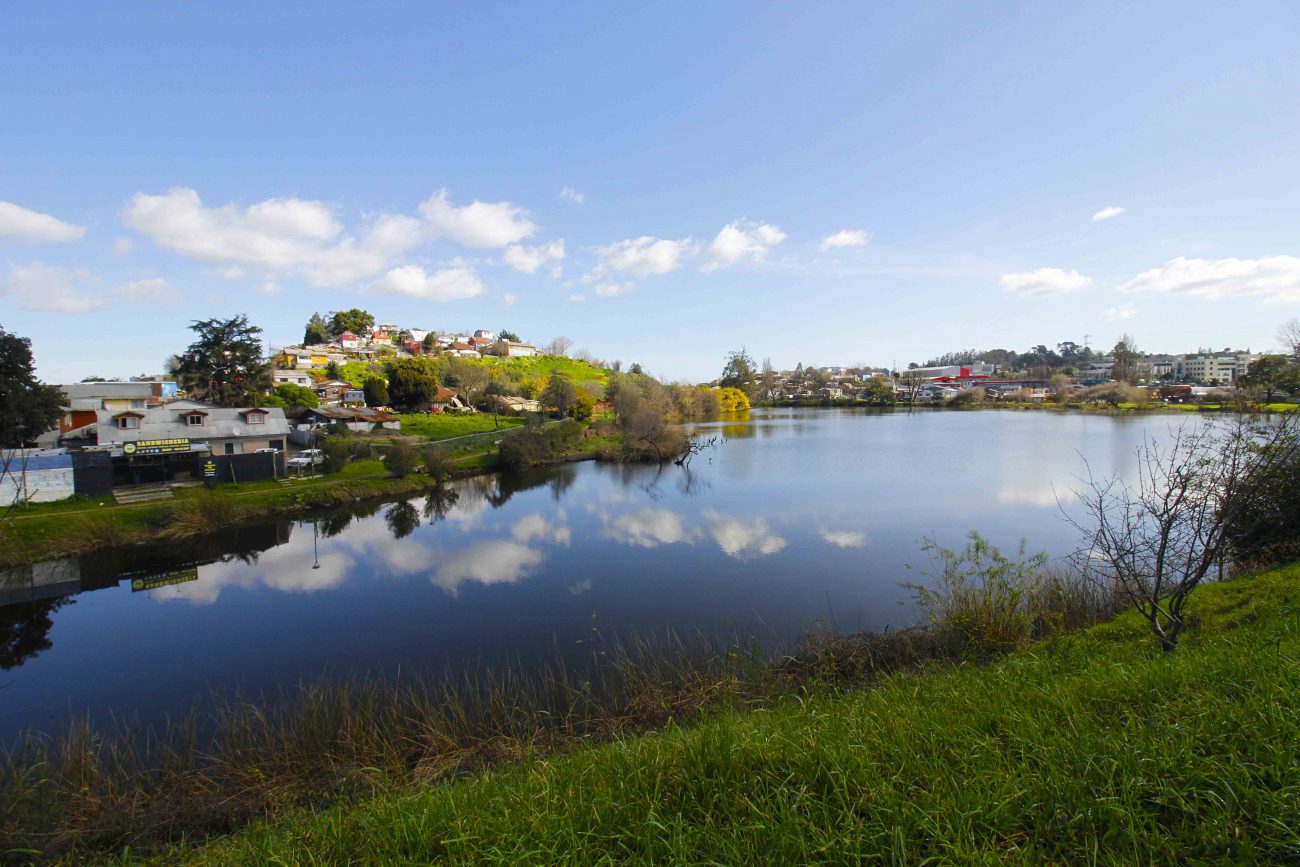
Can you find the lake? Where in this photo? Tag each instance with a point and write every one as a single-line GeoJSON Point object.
{"type": "Point", "coordinates": [794, 516]}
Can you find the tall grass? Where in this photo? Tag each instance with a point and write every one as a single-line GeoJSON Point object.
{"type": "Point", "coordinates": [248, 758]}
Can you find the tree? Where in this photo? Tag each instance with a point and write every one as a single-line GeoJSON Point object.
{"type": "Point", "coordinates": [559, 393]}
{"type": "Point", "coordinates": [430, 343]}
{"type": "Point", "coordinates": [28, 407]}
{"type": "Point", "coordinates": [1156, 539]}
{"type": "Point", "coordinates": [911, 384]}
{"type": "Point", "coordinates": [224, 365]}
{"type": "Point", "coordinates": [738, 371]}
{"type": "Point", "coordinates": [558, 346]}
{"type": "Point", "coordinates": [470, 377]}
{"type": "Point", "coordinates": [297, 395]}
{"type": "Point", "coordinates": [1289, 334]}
{"type": "Point", "coordinates": [732, 400]}
{"type": "Point", "coordinates": [584, 405]}
{"type": "Point", "coordinates": [1270, 374]}
{"type": "Point", "coordinates": [332, 371]}
{"type": "Point", "coordinates": [767, 381]}
{"type": "Point", "coordinates": [411, 383]}
{"type": "Point", "coordinates": [878, 392]}
{"type": "Point", "coordinates": [508, 335]}
{"type": "Point", "coordinates": [401, 459]}
{"type": "Point", "coordinates": [1125, 355]}
{"type": "Point", "coordinates": [317, 331]}
{"type": "Point", "coordinates": [355, 320]}
{"type": "Point", "coordinates": [376, 389]}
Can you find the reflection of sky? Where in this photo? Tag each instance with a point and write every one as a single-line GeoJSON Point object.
{"type": "Point", "coordinates": [768, 536]}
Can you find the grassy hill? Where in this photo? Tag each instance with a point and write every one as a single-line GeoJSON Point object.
{"type": "Point", "coordinates": [1091, 748]}
{"type": "Point", "coordinates": [522, 369]}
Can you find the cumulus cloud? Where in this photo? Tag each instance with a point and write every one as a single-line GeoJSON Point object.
{"type": "Point", "coordinates": [1044, 282]}
{"type": "Point", "coordinates": [293, 236]}
{"type": "Point", "coordinates": [743, 540]}
{"type": "Point", "coordinates": [509, 299]}
{"type": "Point", "coordinates": [478, 224]}
{"type": "Point", "coordinates": [530, 259]}
{"type": "Point", "coordinates": [154, 290]}
{"type": "Point", "coordinates": [492, 562]}
{"type": "Point", "coordinates": [39, 287]}
{"type": "Point", "coordinates": [742, 241]}
{"type": "Point", "coordinates": [845, 538]}
{"type": "Point", "coordinates": [1271, 278]}
{"type": "Point", "coordinates": [1107, 213]}
{"type": "Point", "coordinates": [569, 194]}
{"type": "Point", "coordinates": [1120, 312]}
{"type": "Point", "coordinates": [644, 256]}
{"type": "Point", "coordinates": [650, 528]}
{"type": "Point", "coordinates": [845, 238]}
{"type": "Point", "coordinates": [33, 226]}
{"type": "Point", "coordinates": [577, 297]}
{"type": "Point", "coordinates": [612, 290]}
{"type": "Point", "coordinates": [449, 284]}
{"type": "Point", "coordinates": [122, 246]}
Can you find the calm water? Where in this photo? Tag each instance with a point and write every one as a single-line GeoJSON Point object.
{"type": "Point", "coordinates": [796, 515]}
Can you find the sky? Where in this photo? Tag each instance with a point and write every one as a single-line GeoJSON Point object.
{"type": "Point", "coordinates": [818, 183]}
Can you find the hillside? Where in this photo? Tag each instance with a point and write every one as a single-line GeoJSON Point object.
{"type": "Point", "coordinates": [524, 369]}
{"type": "Point", "coordinates": [1089, 749]}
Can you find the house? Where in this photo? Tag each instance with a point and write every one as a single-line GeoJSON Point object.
{"type": "Point", "coordinates": [483, 334]}
{"type": "Point", "coordinates": [465, 350]}
{"type": "Point", "coordinates": [117, 395]}
{"type": "Point", "coordinates": [447, 400]}
{"type": "Point", "coordinates": [518, 405]}
{"type": "Point", "coordinates": [349, 341]}
{"type": "Point", "coordinates": [292, 377]}
{"type": "Point", "coordinates": [358, 419]}
{"type": "Point", "coordinates": [381, 334]}
{"type": "Point", "coordinates": [332, 393]}
{"type": "Point", "coordinates": [305, 359]}
{"type": "Point", "coordinates": [511, 349]}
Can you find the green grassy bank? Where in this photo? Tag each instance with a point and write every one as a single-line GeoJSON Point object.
{"type": "Point", "coordinates": [1090, 748]}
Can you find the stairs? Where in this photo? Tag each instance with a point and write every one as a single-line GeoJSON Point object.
{"type": "Point", "coordinates": [141, 494]}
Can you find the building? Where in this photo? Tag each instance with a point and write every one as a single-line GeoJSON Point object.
{"type": "Point", "coordinates": [349, 341]}
{"type": "Point", "coordinates": [1214, 368]}
{"type": "Point", "coordinates": [333, 393]}
{"type": "Point", "coordinates": [357, 419]}
{"type": "Point", "coordinates": [292, 377]}
{"type": "Point", "coordinates": [511, 349]}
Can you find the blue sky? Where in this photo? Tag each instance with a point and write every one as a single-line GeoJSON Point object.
{"type": "Point", "coordinates": [827, 183]}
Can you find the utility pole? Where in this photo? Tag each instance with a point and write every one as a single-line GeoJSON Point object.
{"type": "Point", "coordinates": [1086, 338]}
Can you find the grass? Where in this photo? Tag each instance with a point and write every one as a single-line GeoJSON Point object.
{"type": "Point", "coordinates": [441, 426]}
{"type": "Point", "coordinates": [1091, 748]}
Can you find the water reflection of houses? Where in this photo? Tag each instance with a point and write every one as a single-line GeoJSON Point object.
{"type": "Point", "coordinates": [145, 566]}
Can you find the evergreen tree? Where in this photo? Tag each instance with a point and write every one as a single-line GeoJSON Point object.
{"type": "Point", "coordinates": [376, 391]}
{"type": "Point", "coordinates": [224, 365]}
{"type": "Point", "coordinates": [317, 331]}
{"type": "Point", "coordinates": [355, 320]}
{"type": "Point", "coordinates": [28, 408]}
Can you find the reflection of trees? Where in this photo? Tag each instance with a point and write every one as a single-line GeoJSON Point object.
{"type": "Point", "coordinates": [333, 524]}
{"type": "Point", "coordinates": [402, 518]}
{"type": "Point", "coordinates": [438, 502]}
{"type": "Point", "coordinates": [25, 629]}
{"type": "Point", "coordinates": [559, 479]}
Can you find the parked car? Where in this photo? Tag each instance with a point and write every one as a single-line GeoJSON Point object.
{"type": "Point", "coordinates": [307, 458]}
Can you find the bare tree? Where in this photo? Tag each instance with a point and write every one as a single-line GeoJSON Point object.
{"type": "Point", "coordinates": [558, 346]}
{"type": "Point", "coordinates": [911, 383]}
{"type": "Point", "coordinates": [1289, 335]}
{"type": "Point", "coordinates": [1157, 539]}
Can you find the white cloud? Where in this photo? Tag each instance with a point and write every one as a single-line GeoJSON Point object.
{"type": "Point", "coordinates": [510, 298]}
{"type": "Point", "coordinates": [742, 241]}
{"type": "Point", "coordinates": [287, 236]}
{"type": "Point", "coordinates": [612, 290]}
{"type": "Point", "coordinates": [569, 194]}
{"type": "Point", "coordinates": [1107, 213]}
{"type": "Point", "coordinates": [478, 224]}
{"type": "Point", "coordinates": [644, 256]}
{"type": "Point", "coordinates": [39, 287]}
{"type": "Point", "coordinates": [845, 538]}
{"type": "Point", "coordinates": [1044, 282]}
{"type": "Point", "coordinates": [493, 562]}
{"type": "Point", "coordinates": [32, 226]}
{"type": "Point", "coordinates": [123, 246]}
{"type": "Point", "coordinates": [535, 527]}
{"type": "Point", "coordinates": [1122, 311]}
{"type": "Point", "coordinates": [577, 297]}
{"type": "Point", "coordinates": [154, 290]}
{"type": "Point", "coordinates": [269, 287]}
{"type": "Point", "coordinates": [845, 238]}
{"type": "Point", "coordinates": [1271, 278]}
{"type": "Point", "coordinates": [449, 284]}
{"type": "Point", "coordinates": [650, 528]}
{"type": "Point", "coordinates": [530, 259]}
{"type": "Point", "coordinates": [743, 540]}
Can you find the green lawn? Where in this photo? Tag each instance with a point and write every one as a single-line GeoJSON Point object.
{"type": "Point", "coordinates": [443, 426]}
{"type": "Point", "coordinates": [1090, 749]}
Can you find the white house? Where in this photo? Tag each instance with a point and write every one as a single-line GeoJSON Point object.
{"type": "Point", "coordinates": [293, 377]}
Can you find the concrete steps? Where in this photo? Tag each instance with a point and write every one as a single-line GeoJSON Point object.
{"type": "Point", "coordinates": [142, 494]}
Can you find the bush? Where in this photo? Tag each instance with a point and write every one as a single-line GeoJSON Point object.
{"type": "Point", "coordinates": [401, 460]}
{"type": "Point", "coordinates": [538, 445]}
{"type": "Point", "coordinates": [438, 463]}
{"type": "Point", "coordinates": [337, 452]}
{"type": "Point", "coordinates": [583, 406]}
{"type": "Point", "coordinates": [297, 395]}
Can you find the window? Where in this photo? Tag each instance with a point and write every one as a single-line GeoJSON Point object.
{"type": "Point", "coordinates": [194, 420]}
{"type": "Point", "coordinates": [234, 448]}
{"type": "Point", "coordinates": [137, 404]}
{"type": "Point", "coordinates": [128, 422]}
{"type": "Point", "coordinates": [255, 417]}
